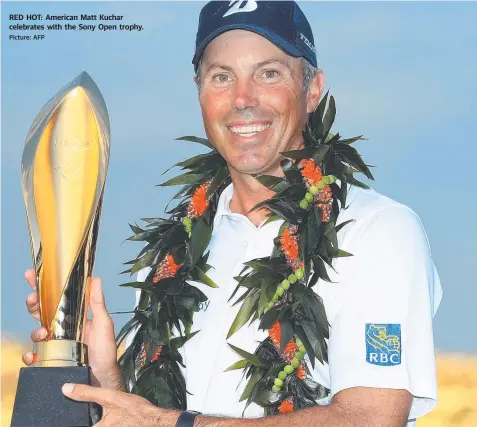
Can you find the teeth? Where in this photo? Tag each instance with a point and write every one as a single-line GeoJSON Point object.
{"type": "Point", "coordinates": [248, 130]}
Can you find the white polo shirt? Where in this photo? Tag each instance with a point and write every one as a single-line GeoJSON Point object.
{"type": "Point", "coordinates": [380, 307]}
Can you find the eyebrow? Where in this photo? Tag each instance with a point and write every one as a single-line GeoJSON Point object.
{"type": "Point", "coordinates": [260, 64]}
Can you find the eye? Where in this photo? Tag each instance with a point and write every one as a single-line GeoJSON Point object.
{"type": "Point", "coordinates": [220, 78]}
{"type": "Point", "coordinates": [270, 74]}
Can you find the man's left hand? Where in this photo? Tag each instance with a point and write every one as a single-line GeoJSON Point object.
{"type": "Point", "coordinates": [122, 409]}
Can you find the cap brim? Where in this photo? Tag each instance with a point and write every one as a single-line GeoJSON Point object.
{"type": "Point", "coordinates": [280, 42]}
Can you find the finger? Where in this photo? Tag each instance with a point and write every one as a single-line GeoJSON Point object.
{"type": "Point", "coordinates": [30, 277]}
{"type": "Point", "coordinates": [38, 334]}
{"type": "Point", "coordinates": [101, 317]}
{"type": "Point", "coordinates": [105, 397]}
{"type": "Point", "coordinates": [27, 358]}
{"type": "Point", "coordinates": [33, 305]}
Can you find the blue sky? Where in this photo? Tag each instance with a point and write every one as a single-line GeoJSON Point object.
{"type": "Point", "coordinates": [403, 74]}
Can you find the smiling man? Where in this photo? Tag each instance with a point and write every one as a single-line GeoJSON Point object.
{"type": "Point", "coordinates": [258, 82]}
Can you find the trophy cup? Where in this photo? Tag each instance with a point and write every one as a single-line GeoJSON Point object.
{"type": "Point", "coordinates": [64, 166]}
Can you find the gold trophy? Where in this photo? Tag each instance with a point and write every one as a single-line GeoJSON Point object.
{"type": "Point", "coordinates": [64, 167]}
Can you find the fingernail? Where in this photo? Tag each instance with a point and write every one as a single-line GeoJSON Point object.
{"type": "Point", "coordinates": [67, 388]}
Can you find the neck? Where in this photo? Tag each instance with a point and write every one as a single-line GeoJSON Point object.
{"type": "Point", "coordinates": [248, 192]}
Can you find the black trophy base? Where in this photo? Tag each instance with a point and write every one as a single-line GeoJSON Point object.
{"type": "Point", "coordinates": [39, 401]}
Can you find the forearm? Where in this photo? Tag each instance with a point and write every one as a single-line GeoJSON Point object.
{"type": "Point", "coordinates": [329, 416]}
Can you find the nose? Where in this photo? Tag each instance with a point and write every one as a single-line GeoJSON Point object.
{"type": "Point", "coordinates": [245, 94]}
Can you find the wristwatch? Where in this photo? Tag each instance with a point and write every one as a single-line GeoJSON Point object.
{"type": "Point", "coordinates": [186, 419]}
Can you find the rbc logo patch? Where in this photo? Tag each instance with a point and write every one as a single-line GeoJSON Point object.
{"type": "Point", "coordinates": [383, 344]}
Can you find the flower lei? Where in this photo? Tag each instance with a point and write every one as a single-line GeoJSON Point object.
{"type": "Point", "coordinates": [278, 289]}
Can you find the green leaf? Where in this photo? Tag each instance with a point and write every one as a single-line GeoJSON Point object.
{"type": "Point", "coordinates": [200, 238]}
{"type": "Point", "coordinates": [178, 342]}
{"type": "Point", "coordinates": [186, 178]}
{"type": "Point", "coordinates": [320, 269]}
{"type": "Point", "coordinates": [202, 141]}
{"type": "Point", "coordinates": [329, 116]}
{"type": "Point", "coordinates": [286, 332]}
{"type": "Point", "coordinates": [273, 183]}
{"type": "Point", "coordinates": [304, 153]}
{"type": "Point", "coordinates": [271, 218]}
{"type": "Point", "coordinates": [320, 152]}
{"type": "Point", "coordinates": [138, 285]}
{"type": "Point", "coordinates": [237, 365]}
{"type": "Point", "coordinates": [250, 385]}
{"type": "Point", "coordinates": [252, 358]}
{"type": "Point", "coordinates": [246, 310]}
{"type": "Point", "coordinates": [198, 275]}
{"type": "Point", "coordinates": [340, 226]}
{"type": "Point", "coordinates": [217, 181]}
{"type": "Point", "coordinates": [353, 181]}
{"type": "Point", "coordinates": [266, 294]}
{"type": "Point", "coordinates": [351, 140]}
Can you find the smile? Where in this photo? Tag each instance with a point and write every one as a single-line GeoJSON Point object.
{"type": "Point", "coordinates": [248, 131]}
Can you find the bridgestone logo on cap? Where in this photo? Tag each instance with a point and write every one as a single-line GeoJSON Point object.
{"type": "Point", "coordinates": [307, 42]}
{"type": "Point", "coordinates": [250, 6]}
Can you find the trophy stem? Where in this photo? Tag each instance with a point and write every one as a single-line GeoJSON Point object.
{"type": "Point", "coordinates": [58, 353]}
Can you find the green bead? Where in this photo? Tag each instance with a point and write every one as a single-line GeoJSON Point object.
{"type": "Point", "coordinates": [326, 179]}
{"type": "Point", "coordinates": [275, 298]}
{"type": "Point", "coordinates": [288, 369]}
{"type": "Point", "coordinates": [282, 375]}
{"type": "Point", "coordinates": [292, 278]}
{"type": "Point", "coordinates": [275, 388]}
{"type": "Point", "coordinates": [304, 204]}
{"type": "Point", "coordinates": [280, 291]}
{"type": "Point", "coordinates": [298, 341]}
{"type": "Point", "coordinates": [278, 382]}
{"type": "Point", "coordinates": [302, 348]}
{"type": "Point", "coordinates": [332, 179]}
{"type": "Point", "coordinates": [299, 274]}
{"type": "Point", "coordinates": [313, 190]}
{"type": "Point", "coordinates": [295, 363]}
{"type": "Point", "coordinates": [270, 304]}
{"type": "Point", "coordinates": [308, 197]}
{"type": "Point", "coordinates": [285, 285]}
{"type": "Point", "coordinates": [320, 184]}
{"type": "Point", "coordinates": [266, 309]}
{"type": "Point", "coordinates": [299, 355]}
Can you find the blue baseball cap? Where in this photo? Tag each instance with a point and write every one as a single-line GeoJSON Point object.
{"type": "Point", "coordinates": [281, 22]}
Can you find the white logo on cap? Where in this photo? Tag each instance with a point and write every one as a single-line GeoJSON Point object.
{"type": "Point", "coordinates": [250, 6]}
{"type": "Point", "coordinates": [307, 42]}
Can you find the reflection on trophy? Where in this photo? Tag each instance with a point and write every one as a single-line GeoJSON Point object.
{"type": "Point", "coordinates": [64, 166]}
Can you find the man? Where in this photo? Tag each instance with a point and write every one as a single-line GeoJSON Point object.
{"type": "Point", "coordinates": [257, 82]}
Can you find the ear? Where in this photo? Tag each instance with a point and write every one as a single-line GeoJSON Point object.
{"type": "Point", "coordinates": [316, 90]}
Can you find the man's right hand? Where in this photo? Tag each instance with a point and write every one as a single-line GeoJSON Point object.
{"type": "Point", "coordinates": [99, 335]}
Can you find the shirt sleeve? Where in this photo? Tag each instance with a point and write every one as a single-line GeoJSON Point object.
{"type": "Point", "coordinates": [382, 336]}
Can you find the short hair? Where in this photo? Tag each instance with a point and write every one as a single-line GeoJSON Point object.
{"type": "Point", "coordinates": [308, 72]}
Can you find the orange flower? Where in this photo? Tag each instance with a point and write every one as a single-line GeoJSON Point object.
{"type": "Point", "coordinates": [291, 347]}
{"type": "Point", "coordinates": [167, 268]}
{"type": "Point", "coordinates": [157, 354]}
{"type": "Point", "coordinates": [286, 406]}
{"type": "Point", "coordinates": [275, 335]}
{"type": "Point", "coordinates": [141, 357]}
{"type": "Point", "coordinates": [199, 202]}
{"type": "Point", "coordinates": [300, 373]}
{"type": "Point", "coordinates": [289, 245]}
{"type": "Point", "coordinates": [311, 172]}
{"type": "Point", "coordinates": [325, 199]}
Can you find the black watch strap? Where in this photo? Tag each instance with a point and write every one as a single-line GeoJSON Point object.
{"type": "Point", "coordinates": [186, 419]}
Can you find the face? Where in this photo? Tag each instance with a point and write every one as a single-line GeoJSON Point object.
{"type": "Point", "coordinates": [252, 101]}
